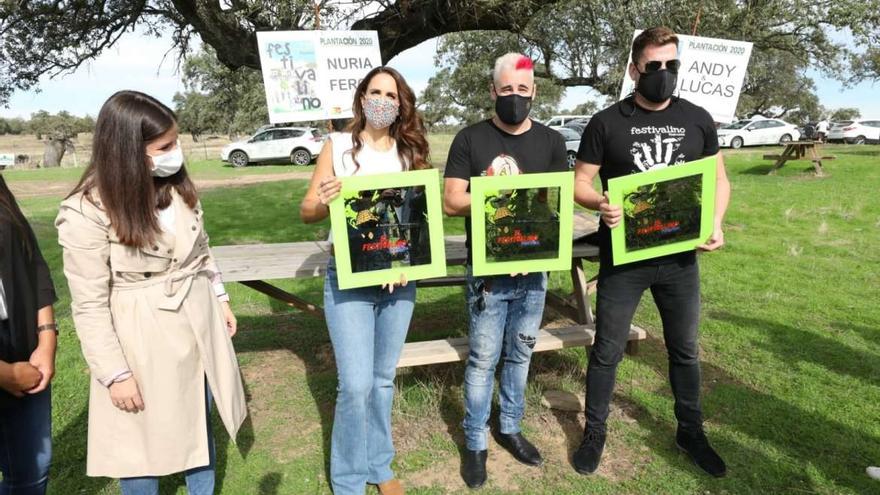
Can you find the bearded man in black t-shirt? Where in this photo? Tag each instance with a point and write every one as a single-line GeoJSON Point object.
{"type": "Point", "coordinates": [649, 130]}
{"type": "Point", "coordinates": [505, 311]}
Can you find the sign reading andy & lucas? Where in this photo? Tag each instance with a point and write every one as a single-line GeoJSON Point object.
{"type": "Point", "coordinates": [312, 75]}
{"type": "Point", "coordinates": [711, 74]}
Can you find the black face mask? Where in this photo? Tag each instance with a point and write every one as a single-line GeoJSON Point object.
{"type": "Point", "coordinates": [512, 109]}
{"type": "Point", "coordinates": [657, 86]}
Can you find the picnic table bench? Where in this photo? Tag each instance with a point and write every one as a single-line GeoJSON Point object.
{"type": "Point", "coordinates": [253, 264]}
{"type": "Point", "coordinates": [797, 150]}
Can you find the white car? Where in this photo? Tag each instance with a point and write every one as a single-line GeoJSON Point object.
{"type": "Point", "coordinates": [857, 131]}
{"type": "Point", "coordinates": [754, 132]}
{"type": "Point", "coordinates": [572, 142]}
{"type": "Point", "coordinates": [298, 144]}
{"type": "Point", "coordinates": [561, 120]}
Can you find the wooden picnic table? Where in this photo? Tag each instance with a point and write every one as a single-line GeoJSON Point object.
{"type": "Point", "coordinates": [797, 150]}
{"type": "Point", "coordinates": [253, 264]}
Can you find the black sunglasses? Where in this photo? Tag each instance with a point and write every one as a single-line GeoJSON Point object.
{"type": "Point", "coordinates": [655, 65]}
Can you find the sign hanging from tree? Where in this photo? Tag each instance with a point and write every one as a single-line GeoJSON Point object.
{"type": "Point", "coordinates": [312, 75]}
{"type": "Point", "coordinates": [711, 74]}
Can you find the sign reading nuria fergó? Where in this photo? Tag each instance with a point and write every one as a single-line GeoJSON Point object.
{"type": "Point", "coordinates": [711, 74]}
{"type": "Point", "coordinates": [7, 159]}
{"type": "Point", "coordinates": [312, 75]}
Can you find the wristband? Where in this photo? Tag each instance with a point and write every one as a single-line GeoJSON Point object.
{"type": "Point", "coordinates": [48, 326]}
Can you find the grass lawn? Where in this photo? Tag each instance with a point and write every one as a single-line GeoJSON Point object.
{"type": "Point", "coordinates": [790, 355]}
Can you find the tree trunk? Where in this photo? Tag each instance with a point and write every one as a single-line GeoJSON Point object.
{"type": "Point", "coordinates": [53, 153]}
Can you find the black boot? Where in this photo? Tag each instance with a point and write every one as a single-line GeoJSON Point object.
{"type": "Point", "coordinates": [473, 467]}
{"type": "Point", "coordinates": [695, 444]}
{"type": "Point", "coordinates": [521, 449]}
{"type": "Point", "coordinates": [587, 457]}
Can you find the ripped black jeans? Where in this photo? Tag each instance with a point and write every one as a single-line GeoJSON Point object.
{"type": "Point", "coordinates": [505, 316]}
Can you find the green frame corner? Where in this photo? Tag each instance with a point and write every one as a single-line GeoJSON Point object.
{"type": "Point", "coordinates": [480, 186]}
{"type": "Point", "coordinates": [430, 180]}
{"type": "Point", "coordinates": [617, 187]}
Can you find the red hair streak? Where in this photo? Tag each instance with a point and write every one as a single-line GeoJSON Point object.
{"type": "Point", "coordinates": [524, 63]}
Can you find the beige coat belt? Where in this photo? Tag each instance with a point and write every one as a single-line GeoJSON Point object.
{"type": "Point", "coordinates": [174, 296]}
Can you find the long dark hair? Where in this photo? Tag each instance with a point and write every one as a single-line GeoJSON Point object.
{"type": "Point", "coordinates": [119, 169]}
{"type": "Point", "coordinates": [10, 212]}
{"type": "Point", "coordinates": [408, 131]}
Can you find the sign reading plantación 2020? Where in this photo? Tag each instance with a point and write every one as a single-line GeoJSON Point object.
{"type": "Point", "coordinates": [711, 74]}
{"type": "Point", "coordinates": [312, 75]}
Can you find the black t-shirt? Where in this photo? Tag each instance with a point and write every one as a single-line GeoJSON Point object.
{"type": "Point", "coordinates": [484, 149]}
{"type": "Point", "coordinates": [627, 139]}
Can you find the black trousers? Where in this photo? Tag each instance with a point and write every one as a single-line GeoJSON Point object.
{"type": "Point", "coordinates": [676, 290]}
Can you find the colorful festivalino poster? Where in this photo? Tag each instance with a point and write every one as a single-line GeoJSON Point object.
{"type": "Point", "coordinates": [665, 211]}
{"type": "Point", "coordinates": [388, 225]}
{"type": "Point", "coordinates": [521, 223]}
{"type": "Point", "coordinates": [312, 75]}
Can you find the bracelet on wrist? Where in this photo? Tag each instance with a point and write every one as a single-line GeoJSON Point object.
{"type": "Point", "coordinates": [48, 327]}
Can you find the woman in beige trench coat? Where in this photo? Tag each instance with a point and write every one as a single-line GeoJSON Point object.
{"type": "Point", "coordinates": [148, 304]}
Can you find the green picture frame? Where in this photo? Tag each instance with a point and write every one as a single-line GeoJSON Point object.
{"type": "Point", "coordinates": [665, 211]}
{"type": "Point", "coordinates": [383, 224]}
{"type": "Point", "coordinates": [521, 223]}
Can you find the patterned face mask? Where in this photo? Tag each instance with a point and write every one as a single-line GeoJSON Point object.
{"type": "Point", "coordinates": [380, 112]}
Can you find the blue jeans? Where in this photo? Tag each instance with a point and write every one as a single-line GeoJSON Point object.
{"type": "Point", "coordinates": [199, 481]}
{"type": "Point", "coordinates": [367, 327]}
{"type": "Point", "coordinates": [26, 444]}
{"type": "Point", "coordinates": [505, 316]}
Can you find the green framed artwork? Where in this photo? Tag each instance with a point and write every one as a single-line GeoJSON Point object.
{"type": "Point", "coordinates": [665, 211]}
{"type": "Point", "coordinates": [388, 225]}
{"type": "Point", "coordinates": [521, 223]}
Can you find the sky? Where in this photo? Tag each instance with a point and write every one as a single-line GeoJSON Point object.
{"type": "Point", "coordinates": [136, 62]}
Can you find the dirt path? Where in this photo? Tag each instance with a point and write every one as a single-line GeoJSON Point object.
{"type": "Point", "coordinates": [33, 189]}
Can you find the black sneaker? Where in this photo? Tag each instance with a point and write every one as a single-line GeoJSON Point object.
{"type": "Point", "coordinates": [695, 444]}
{"type": "Point", "coordinates": [586, 458]}
{"type": "Point", "coordinates": [473, 467]}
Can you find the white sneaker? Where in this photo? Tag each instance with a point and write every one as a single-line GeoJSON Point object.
{"type": "Point", "coordinates": [873, 472]}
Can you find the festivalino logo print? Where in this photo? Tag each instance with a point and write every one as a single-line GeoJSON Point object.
{"type": "Point", "coordinates": [656, 147]}
{"type": "Point", "coordinates": [661, 227]}
{"type": "Point", "coordinates": [397, 246]}
{"type": "Point", "coordinates": [519, 238]}
{"type": "Point", "coordinates": [667, 129]}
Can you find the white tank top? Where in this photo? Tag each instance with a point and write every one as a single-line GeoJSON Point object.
{"type": "Point", "coordinates": [371, 161]}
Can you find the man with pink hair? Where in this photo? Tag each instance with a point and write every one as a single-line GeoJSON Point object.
{"type": "Point", "coordinates": [505, 311]}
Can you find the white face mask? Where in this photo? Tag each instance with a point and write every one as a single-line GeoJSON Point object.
{"type": "Point", "coordinates": [169, 163]}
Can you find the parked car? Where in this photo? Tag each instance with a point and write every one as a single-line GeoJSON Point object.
{"type": "Point", "coordinates": [856, 131]}
{"type": "Point", "coordinates": [757, 131]}
{"type": "Point", "coordinates": [577, 125]}
{"type": "Point", "coordinates": [572, 141]}
{"type": "Point", "coordinates": [561, 120]}
{"type": "Point", "coordinates": [300, 145]}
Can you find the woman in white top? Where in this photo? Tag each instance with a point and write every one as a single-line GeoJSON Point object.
{"type": "Point", "coordinates": [367, 325]}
